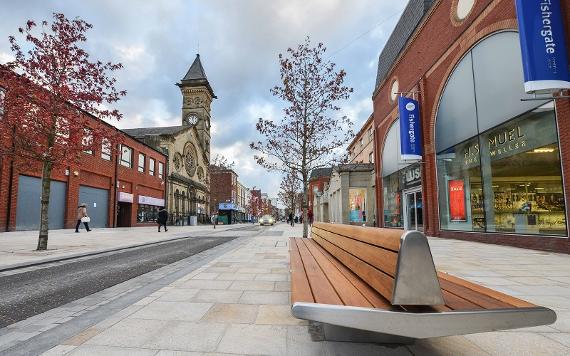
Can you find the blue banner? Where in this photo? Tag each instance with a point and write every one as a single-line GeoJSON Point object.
{"type": "Point", "coordinates": [543, 46]}
{"type": "Point", "coordinates": [410, 129]}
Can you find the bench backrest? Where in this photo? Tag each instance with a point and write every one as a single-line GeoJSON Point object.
{"type": "Point", "coordinates": [397, 264]}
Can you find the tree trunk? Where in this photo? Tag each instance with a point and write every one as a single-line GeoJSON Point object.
{"type": "Point", "coordinates": [46, 188]}
{"type": "Point", "coordinates": [305, 206]}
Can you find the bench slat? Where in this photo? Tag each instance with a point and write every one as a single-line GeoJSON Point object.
{"type": "Point", "coordinates": [474, 297]}
{"type": "Point", "coordinates": [323, 291]}
{"type": "Point", "coordinates": [368, 292]}
{"type": "Point", "coordinates": [509, 300]}
{"type": "Point", "coordinates": [378, 280]}
{"type": "Point", "coordinates": [300, 289]}
{"type": "Point", "coordinates": [385, 238]}
{"type": "Point", "coordinates": [384, 260]}
{"type": "Point", "coordinates": [345, 290]}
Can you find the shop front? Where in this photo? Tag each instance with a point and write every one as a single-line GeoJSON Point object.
{"type": "Point", "coordinates": [498, 157]}
{"type": "Point", "coordinates": [402, 186]}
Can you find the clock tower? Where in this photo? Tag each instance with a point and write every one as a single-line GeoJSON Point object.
{"type": "Point", "coordinates": [197, 96]}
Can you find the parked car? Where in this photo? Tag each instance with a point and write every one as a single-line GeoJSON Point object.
{"type": "Point", "coordinates": [266, 220]}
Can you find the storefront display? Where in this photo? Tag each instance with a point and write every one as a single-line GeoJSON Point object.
{"type": "Point", "coordinates": [357, 201]}
{"type": "Point", "coordinates": [512, 176]}
{"type": "Point", "coordinates": [395, 186]}
{"type": "Point", "coordinates": [147, 213]}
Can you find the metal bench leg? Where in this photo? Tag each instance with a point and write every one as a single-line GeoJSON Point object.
{"type": "Point", "coordinates": [323, 331]}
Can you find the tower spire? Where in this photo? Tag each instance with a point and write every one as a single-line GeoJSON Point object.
{"type": "Point", "coordinates": [196, 76]}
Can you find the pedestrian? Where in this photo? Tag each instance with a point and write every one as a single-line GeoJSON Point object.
{"type": "Point", "coordinates": [82, 217]}
{"type": "Point", "coordinates": [363, 218]}
{"type": "Point", "coordinates": [214, 220]}
{"type": "Point", "coordinates": [310, 216]}
{"type": "Point", "coordinates": [291, 221]}
{"type": "Point", "coordinates": [162, 219]}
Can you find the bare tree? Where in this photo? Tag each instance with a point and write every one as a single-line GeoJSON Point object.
{"type": "Point", "coordinates": [289, 190]}
{"type": "Point", "coordinates": [311, 132]}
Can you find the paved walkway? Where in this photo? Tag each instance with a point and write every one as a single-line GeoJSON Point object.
{"type": "Point", "coordinates": [236, 301]}
{"type": "Point", "coordinates": [18, 248]}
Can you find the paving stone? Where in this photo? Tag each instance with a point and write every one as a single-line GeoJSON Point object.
{"type": "Point", "coordinates": [129, 333]}
{"type": "Point", "coordinates": [202, 284]}
{"type": "Point", "coordinates": [186, 336]}
{"type": "Point", "coordinates": [299, 342]}
{"type": "Point", "coordinates": [172, 311]}
{"type": "Point", "coordinates": [236, 276]}
{"type": "Point", "coordinates": [217, 296]}
{"type": "Point", "coordinates": [255, 297]}
{"type": "Point", "coordinates": [362, 349]}
{"type": "Point", "coordinates": [563, 338]}
{"type": "Point", "coordinates": [272, 277]}
{"type": "Point", "coordinates": [501, 343]}
{"type": "Point", "coordinates": [59, 350]}
{"type": "Point", "coordinates": [283, 286]}
{"type": "Point", "coordinates": [252, 285]}
{"type": "Point", "coordinates": [83, 336]}
{"type": "Point", "coordinates": [232, 313]}
{"type": "Point", "coordinates": [178, 295]}
{"type": "Point", "coordinates": [277, 315]}
{"type": "Point", "coordinates": [206, 276]}
{"type": "Point", "coordinates": [448, 346]}
{"type": "Point", "coordinates": [254, 339]}
{"type": "Point", "coordinates": [96, 350]}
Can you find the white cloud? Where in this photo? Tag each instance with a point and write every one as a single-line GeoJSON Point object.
{"type": "Point", "coordinates": [6, 57]}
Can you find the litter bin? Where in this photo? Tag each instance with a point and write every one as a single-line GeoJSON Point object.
{"type": "Point", "coordinates": [193, 220]}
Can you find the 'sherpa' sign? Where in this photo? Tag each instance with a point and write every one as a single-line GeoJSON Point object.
{"type": "Point", "coordinates": [410, 129]}
{"type": "Point", "coordinates": [544, 54]}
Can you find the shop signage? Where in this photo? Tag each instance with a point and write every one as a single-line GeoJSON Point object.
{"type": "Point", "coordinates": [544, 54]}
{"type": "Point", "coordinates": [410, 129]}
{"type": "Point", "coordinates": [456, 190]}
{"type": "Point", "coordinates": [125, 197]}
{"type": "Point", "coordinates": [410, 176]}
{"type": "Point", "coordinates": [150, 201]}
{"type": "Point", "coordinates": [227, 206]}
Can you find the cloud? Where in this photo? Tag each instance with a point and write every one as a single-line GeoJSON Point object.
{"type": "Point", "coordinates": [6, 57]}
{"type": "Point", "coordinates": [239, 43]}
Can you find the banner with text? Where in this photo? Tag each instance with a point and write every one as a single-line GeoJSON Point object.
{"type": "Point", "coordinates": [410, 129]}
{"type": "Point", "coordinates": [543, 45]}
{"type": "Point", "coordinates": [456, 190]}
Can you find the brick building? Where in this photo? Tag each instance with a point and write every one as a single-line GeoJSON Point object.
{"type": "Point", "coordinates": [361, 149]}
{"type": "Point", "coordinates": [123, 189]}
{"type": "Point", "coordinates": [224, 193]}
{"type": "Point", "coordinates": [494, 166]}
{"type": "Point", "coordinates": [318, 180]}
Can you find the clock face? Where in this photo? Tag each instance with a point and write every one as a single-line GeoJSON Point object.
{"type": "Point", "coordinates": [191, 119]}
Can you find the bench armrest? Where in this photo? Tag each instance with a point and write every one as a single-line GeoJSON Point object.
{"type": "Point", "coordinates": [415, 281]}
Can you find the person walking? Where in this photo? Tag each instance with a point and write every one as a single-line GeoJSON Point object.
{"type": "Point", "coordinates": [82, 217]}
{"type": "Point", "coordinates": [162, 219]}
{"type": "Point", "coordinates": [310, 216]}
{"type": "Point", "coordinates": [214, 219]}
{"type": "Point", "coordinates": [291, 221]}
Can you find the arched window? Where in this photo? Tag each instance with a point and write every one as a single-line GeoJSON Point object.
{"type": "Point", "coordinates": [498, 161]}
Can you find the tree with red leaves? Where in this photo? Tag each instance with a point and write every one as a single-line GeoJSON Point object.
{"type": "Point", "coordinates": [311, 132]}
{"type": "Point", "coordinates": [55, 100]}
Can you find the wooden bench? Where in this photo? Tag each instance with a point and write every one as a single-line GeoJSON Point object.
{"type": "Point", "coordinates": [381, 285]}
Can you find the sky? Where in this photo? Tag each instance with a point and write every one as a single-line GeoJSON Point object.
{"type": "Point", "coordinates": [239, 42]}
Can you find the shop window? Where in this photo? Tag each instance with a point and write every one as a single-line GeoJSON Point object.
{"type": "Point", "coordinates": [2, 98]}
{"type": "Point", "coordinates": [106, 149]}
{"type": "Point", "coordinates": [507, 180]}
{"type": "Point", "coordinates": [142, 161]}
{"type": "Point", "coordinates": [126, 156]}
{"type": "Point", "coordinates": [147, 213]}
{"type": "Point", "coordinates": [160, 170]}
{"type": "Point", "coordinates": [151, 164]}
{"type": "Point", "coordinates": [87, 141]}
{"type": "Point", "coordinates": [357, 205]}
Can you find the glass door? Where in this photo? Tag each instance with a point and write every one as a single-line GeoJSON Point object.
{"type": "Point", "coordinates": [413, 208]}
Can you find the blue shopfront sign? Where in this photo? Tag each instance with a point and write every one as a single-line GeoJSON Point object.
{"type": "Point", "coordinates": [543, 46]}
{"type": "Point", "coordinates": [227, 206]}
{"type": "Point", "coordinates": [410, 129]}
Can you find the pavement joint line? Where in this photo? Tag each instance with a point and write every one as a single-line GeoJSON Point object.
{"type": "Point", "coordinates": [59, 333]}
{"type": "Point", "coordinates": [45, 261]}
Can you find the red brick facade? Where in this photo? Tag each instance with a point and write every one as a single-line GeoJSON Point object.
{"type": "Point", "coordinates": [95, 172]}
{"type": "Point", "coordinates": [223, 187]}
{"type": "Point", "coordinates": [424, 65]}
{"type": "Point", "coordinates": [317, 184]}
